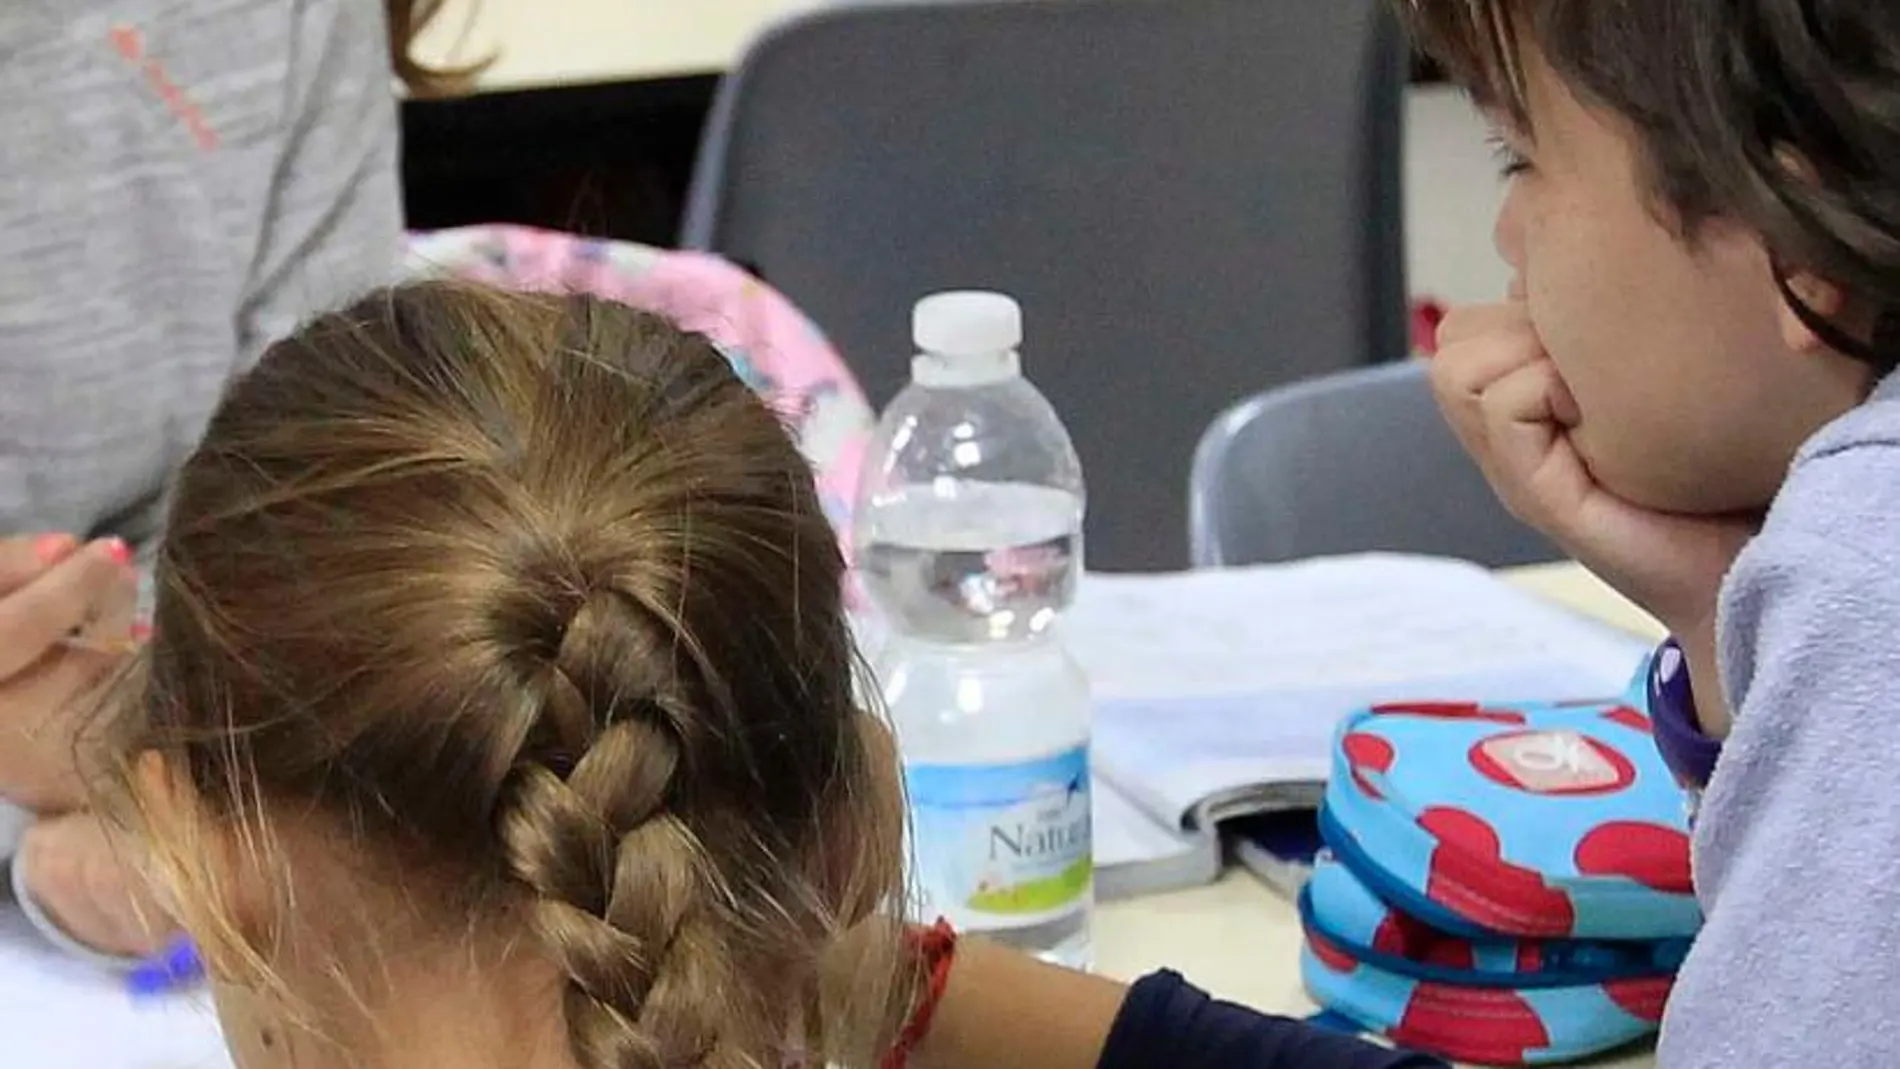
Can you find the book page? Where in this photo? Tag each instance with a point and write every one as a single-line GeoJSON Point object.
{"type": "Point", "coordinates": [13, 823]}
{"type": "Point", "coordinates": [1125, 835]}
{"type": "Point", "coordinates": [1218, 681]}
{"type": "Point", "coordinates": [57, 1012]}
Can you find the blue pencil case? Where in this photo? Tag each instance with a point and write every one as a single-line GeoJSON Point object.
{"type": "Point", "coordinates": [1504, 885]}
{"type": "Point", "coordinates": [1484, 1001]}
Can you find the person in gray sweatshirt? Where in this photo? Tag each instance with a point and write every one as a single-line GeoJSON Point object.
{"type": "Point", "coordinates": [181, 181]}
{"type": "Point", "coordinates": [1689, 389]}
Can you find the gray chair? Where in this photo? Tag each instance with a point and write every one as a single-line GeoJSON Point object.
{"type": "Point", "coordinates": [1169, 186]}
{"type": "Point", "coordinates": [1346, 463]}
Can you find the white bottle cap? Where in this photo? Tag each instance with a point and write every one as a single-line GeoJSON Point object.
{"type": "Point", "coordinates": [967, 338]}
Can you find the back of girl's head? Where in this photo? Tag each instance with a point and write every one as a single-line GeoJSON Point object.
{"type": "Point", "coordinates": [1783, 115]}
{"type": "Point", "coordinates": [528, 603]}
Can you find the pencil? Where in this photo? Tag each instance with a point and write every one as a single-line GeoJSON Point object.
{"type": "Point", "coordinates": [116, 647]}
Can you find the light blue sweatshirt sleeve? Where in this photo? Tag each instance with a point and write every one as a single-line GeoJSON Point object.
{"type": "Point", "coordinates": [1797, 844]}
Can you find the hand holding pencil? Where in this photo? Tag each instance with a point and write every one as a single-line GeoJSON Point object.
{"type": "Point", "coordinates": [66, 622]}
{"type": "Point", "coordinates": [66, 615]}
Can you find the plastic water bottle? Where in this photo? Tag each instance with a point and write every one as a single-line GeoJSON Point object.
{"type": "Point", "coordinates": [969, 537]}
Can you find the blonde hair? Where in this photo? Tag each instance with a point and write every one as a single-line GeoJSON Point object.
{"type": "Point", "coordinates": [530, 600]}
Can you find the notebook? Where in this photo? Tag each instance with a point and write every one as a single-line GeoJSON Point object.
{"type": "Point", "coordinates": [58, 1012]}
{"type": "Point", "coordinates": [1217, 692]}
{"type": "Point", "coordinates": [1278, 847]}
{"type": "Point", "coordinates": [13, 824]}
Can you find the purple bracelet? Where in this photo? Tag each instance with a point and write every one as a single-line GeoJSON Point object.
{"type": "Point", "coordinates": [1689, 753]}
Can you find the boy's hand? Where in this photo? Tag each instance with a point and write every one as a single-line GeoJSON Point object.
{"type": "Point", "coordinates": [1509, 406]}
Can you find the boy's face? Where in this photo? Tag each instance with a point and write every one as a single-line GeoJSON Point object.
{"type": "Point", "coordinates": [1693, 389]}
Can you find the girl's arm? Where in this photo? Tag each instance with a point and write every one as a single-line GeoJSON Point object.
{"type": "Point", "coordinates": [1001, 1008]}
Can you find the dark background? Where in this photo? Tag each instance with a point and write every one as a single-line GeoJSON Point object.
{"type": "Point", "coordinates": [609, 160]}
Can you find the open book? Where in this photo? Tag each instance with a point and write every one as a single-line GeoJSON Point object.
{"type": "Point", "coordinates": [1217, 692]}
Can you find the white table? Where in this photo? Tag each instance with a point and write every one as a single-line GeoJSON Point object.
{"type": "Point", "coordinates": [1241, 941]}
{"type": "Point", "coordinates": [590, 41]}
{"type": "Point", "coordinates": [1234, 938]}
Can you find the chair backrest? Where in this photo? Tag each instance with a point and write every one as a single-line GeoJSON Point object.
{"type": "Point", "coordinates": [1167, 185]}
{"type": "Point", "coordinates": [1346, 463]}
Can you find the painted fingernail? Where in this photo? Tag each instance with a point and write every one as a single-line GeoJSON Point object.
{"type": "Point", "coordinates": [118, 551]}
{"type": "Point", "coordinates": [53, 548]}
{"type": "Point", "coordinates": [141, 632]}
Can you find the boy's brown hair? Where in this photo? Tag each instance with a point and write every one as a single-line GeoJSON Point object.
{"type": "Point", "coordinates": [1783, 115]}
{"type": "Point", "coordinates": [527, 605]}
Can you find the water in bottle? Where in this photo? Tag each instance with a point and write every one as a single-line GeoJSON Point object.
{"type": "Point", "coordinates": [969, 544]}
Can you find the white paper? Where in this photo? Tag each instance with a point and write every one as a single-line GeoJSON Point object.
{"type": "Point", "coordinates": [57, 1012]}
{"type": "Point", "coordinates": [1210, 682]}
{"type": "Point", "coordinates": [1123, 835]}
{"type": "Point", "coordinates": [13, 824]}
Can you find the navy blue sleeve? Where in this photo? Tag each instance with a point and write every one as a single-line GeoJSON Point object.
{"type": "Point", "coordinates": [1166, 1022]}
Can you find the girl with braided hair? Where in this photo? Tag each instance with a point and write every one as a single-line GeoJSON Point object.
{"type": "Point", "coordinates": [499, 712]}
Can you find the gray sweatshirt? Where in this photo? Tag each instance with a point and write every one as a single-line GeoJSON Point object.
{"type": "Point", "coordinates": [180, 182]}
{"type": "Point", "coordinates": [1797, 843]}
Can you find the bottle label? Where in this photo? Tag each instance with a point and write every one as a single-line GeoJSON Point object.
{"type": "Point", "coordinates": [1002, 846]}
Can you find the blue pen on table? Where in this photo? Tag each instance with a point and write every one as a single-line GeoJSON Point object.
{"type": "Point", "coordinates": [173, 969]}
